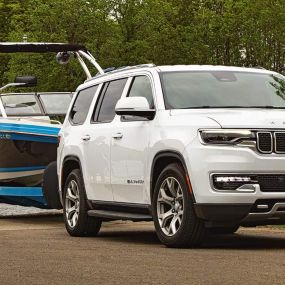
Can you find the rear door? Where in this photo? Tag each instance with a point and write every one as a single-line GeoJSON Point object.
{"type": "Point", "coordinates": [74, 129]}
{"type": "Point", "coordinates": [97, 135]}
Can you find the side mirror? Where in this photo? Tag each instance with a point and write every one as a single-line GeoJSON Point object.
{"type": "Point", "coordinates": [26, 81]}
{"type": "Point", "coordinates": [134, 106]}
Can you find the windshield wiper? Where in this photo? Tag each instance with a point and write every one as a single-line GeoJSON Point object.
{"type": "Point", "coordinates": [199, 107]}
{"type": "Point", "coordinates": [267, 107]}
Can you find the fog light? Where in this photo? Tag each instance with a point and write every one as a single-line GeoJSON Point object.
{"type": "Point", "coordinates": [232, 182]}
{"type": "Point", "coordinates": [232, 179]}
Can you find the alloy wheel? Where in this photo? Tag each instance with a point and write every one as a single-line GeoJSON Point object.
{"type": "Point", "coordinates": [72, 203]}
{"type": "Point", "coordinates": [170, 205]}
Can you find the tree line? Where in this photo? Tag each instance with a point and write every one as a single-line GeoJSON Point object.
{"type": "Point", "coordinates": [128, 32]}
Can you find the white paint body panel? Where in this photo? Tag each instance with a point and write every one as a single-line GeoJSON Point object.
{"type": "Point", "coordinates": [108, 164]}
{"type": "Point", "coordinates": [129, 157]}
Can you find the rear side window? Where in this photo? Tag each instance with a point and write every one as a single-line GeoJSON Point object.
{"type": "Point", "coordinates": [141, 87]}
{"type": "Point", "coordinates": [81, 105]}
{"type": "Point", "coordinates": [105, 108]}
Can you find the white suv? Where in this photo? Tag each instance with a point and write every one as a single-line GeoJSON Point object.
{"type": "Point", "coordinates": [195, 148]}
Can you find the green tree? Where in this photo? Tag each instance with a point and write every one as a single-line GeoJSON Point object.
{"type": "Point", "coordinates": [73, 21]}
{"type": "Point", "coordinates": [128, 32]}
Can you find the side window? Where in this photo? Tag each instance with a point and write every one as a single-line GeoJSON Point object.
{"type": "Point", "coordinates": [141, 87]}
{"type": "Point", "coordinates": [81, 105]}
{"type": "Point", "coordinates": [112, 92]}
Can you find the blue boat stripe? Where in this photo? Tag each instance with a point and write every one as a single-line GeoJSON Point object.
{"type": "Point", "coordinates": [19, 169]}
{"type": "Point", "coordinates": [32, 129]}
{"type": "Point", "coordinates": [21, 191]}
{"type": "Point", "coordinates": [26, 137]}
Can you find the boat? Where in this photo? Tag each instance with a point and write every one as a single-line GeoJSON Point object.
{"type": "Point", "coordinates": [28, 130]}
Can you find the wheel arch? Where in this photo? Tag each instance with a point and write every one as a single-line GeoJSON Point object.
{"type": "Point", "coordinates": [70, 163]}
{"type": "Point", "coordinates": [160, 161]}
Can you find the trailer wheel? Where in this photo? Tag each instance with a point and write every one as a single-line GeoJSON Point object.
{"type": "Point", "coordinates": [50, 186]}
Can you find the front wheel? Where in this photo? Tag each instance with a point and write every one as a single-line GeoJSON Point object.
{"type": "Point", "coordinates": [75, 208]}
{"type": "Point", "coordinates": [174, 217]}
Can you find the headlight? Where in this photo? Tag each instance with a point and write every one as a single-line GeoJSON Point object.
{"type": "Point", "coordinates": [221, 136]}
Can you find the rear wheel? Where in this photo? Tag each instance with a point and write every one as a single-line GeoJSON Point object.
{"type": "Point", "coordinates": [75, 208]}
{"type": "Point", "coordinates": [175, 220]}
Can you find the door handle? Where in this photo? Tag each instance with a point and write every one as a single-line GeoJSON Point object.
{"type": "Point", "coordinates": [117, 136]}
{"type": "Point", "coordinates": [86, 138]}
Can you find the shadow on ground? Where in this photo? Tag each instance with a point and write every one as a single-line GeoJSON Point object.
{"type": "Point", "coordinates": [144, 233]}
{"type": "Point", "coordinates": [267, 239]}
{"type": "Point", "coordinates": [247, 240]}
{"type": "Point", "coordinates": [130, 236]}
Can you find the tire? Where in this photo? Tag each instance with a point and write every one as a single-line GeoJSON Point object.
{"type": "Point", "coordinates": [50, 186]}
{"type": "Point", "coordinates": [77, 222]}
{"type": "Point", "coordinates": [223, 231]}
{"type": "Point", "coordinates": [190, 230]}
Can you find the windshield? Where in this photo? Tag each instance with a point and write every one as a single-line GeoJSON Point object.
{"type": "Point", "coordinates": [56, 103]}
{"type": "Point", "coordinates": [21, 104]}
{"type": "Point", "coordinates": [222, 89]}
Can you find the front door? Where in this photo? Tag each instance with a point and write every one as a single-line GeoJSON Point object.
{"type": "Point", "coordinates": [129, 150]}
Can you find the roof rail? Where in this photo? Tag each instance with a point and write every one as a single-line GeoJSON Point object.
{"type": "Point", "coordinates": [135, 66]}
{"type": "Point", "coordinates": [113, 70]}
{"type": "Point", "coordinates": [120, 68]}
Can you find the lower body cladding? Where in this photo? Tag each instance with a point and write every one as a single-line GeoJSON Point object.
{"type": "Point", "coordinates": [262, 212]}
{"type": "Point", "coordinates": [237, 186]}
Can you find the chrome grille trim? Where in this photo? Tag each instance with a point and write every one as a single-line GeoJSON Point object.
{"type": "Point", "coordinates": [276, 142]}
{"type": "Point", "coordinates": [258, 142]}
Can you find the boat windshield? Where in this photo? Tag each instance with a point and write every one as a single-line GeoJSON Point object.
{"type": "Point", "coordinates": [35, 104]}
{"type": "Point", "coordinates": [55, 103]}
{"type": "Point", "coordinates": [23, 104]}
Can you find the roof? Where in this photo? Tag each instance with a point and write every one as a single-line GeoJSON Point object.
{"type": "Point", "coordinates": [170, 68]}
{"type": "Point", "coordinates": [8, 47]}
{"type": "Point", "coordinates": [177, 68]}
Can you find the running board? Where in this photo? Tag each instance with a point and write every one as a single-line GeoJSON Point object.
{"type": "Point", "coordinates": [114, 215]}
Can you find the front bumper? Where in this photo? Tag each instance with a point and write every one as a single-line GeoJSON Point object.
{"type": "Point", "coordinates": [242, 214]}
{"type": "Point", "coordinates": [230, 206]}
{"type": "Point", "coordinates": [203, 161]}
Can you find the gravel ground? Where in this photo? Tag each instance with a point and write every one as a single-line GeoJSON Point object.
{"type": "Point", "coordinates": [38, 251]}
{"type": "Point", "coordinates": [35, 249]}
{"type": "Point", "coordinates": [7, 210]}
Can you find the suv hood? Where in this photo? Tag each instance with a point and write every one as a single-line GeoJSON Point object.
{"type": "Point", "coordinates": [240, 118]}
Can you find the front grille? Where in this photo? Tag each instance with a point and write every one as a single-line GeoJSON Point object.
{"type": "Point", "coordinates": [271, 182]}
{"type": "Point", "coordinates": [279, 139]}
{"type": "Point", "coordinates": [264, 142]}
{"type": "Point", "coordinates": [267, 142]}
